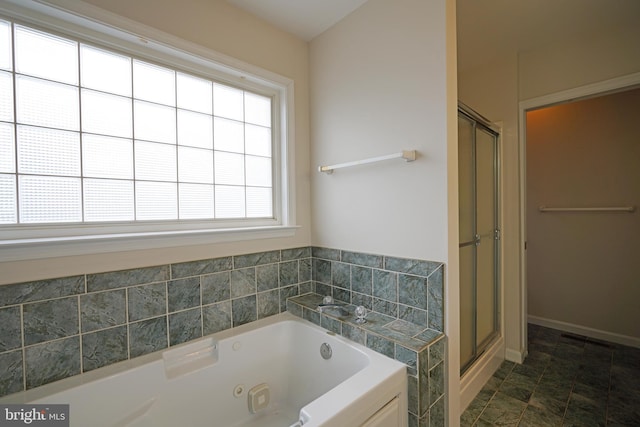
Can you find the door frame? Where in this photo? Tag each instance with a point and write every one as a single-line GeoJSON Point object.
{"type": "Point", "coordinates": [581, 92]}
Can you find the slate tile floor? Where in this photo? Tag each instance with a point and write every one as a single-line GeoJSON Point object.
{"type": "Point", "coordinates": [566, 380]}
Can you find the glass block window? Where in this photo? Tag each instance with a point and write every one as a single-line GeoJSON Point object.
{"type": "Point", "coordinates": [89, 135]}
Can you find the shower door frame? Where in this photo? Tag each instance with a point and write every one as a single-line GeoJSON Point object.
{"type": "Point", "coordinates": [479, 121]}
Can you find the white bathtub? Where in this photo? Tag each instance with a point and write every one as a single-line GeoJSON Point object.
{"type": "Point", "coordinates": [209, 382]}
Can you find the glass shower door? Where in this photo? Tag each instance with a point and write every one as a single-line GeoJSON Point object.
{"type": "Point", "coordinates": [479, 234]}
{"type": "Point", "coordinates": [466, 197]}
{"type": "Point", "coordinates": [487, 231]}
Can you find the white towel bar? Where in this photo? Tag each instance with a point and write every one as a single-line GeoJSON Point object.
{"type": "Point", "coordinates": [593, 209]}
{"type": "Point", "coordinates": [409, 156]}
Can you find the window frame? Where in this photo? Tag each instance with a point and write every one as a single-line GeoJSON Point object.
{"type": "Point", "coordinates": [95, 26]}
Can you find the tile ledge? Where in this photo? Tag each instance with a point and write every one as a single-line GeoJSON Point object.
{"type": "Point", "coordinates": [418, 338]}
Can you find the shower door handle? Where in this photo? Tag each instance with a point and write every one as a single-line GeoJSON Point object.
{"type": "Point", "coordinates": [475, 241]}
{"type": "Point", "coordinates": [493, 234]}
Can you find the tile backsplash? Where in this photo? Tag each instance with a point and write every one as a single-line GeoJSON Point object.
{"type": "Point", "coordinates": [402, 288]}
{"type": "Point", "coordinates": [57, 328]}
{"type": "Point", "coordinates": [405, 299]}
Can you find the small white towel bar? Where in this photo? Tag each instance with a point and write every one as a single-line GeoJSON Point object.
{"type": "Point", "coordinates": [591, 209]}
{"type": "Point", "coordinates": [408, 156]}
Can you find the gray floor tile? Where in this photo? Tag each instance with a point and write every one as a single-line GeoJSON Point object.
{"type": "Point", "coordinates": [566, 380]}
{"type": "Point", "coordinates": [503, 410]}
{"type": "Point", "coordinates": [516, 391]}
{"type": "Point", "coordinates": [581, 418]}
{"type": "Point", "coordinates": [548, 404]}
{"type": "Point", "coordinates": [536, 417]}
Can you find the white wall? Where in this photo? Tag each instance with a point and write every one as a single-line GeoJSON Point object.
{"type": "Point", "coordinates": [378, 87]}
{"type": "Point", "coordinates": [221, 27]}
{"type": "Point", "coordinates": [384, 80]}
{"type": "Point", "coordinates": [452, 287]}
{"type": "Point", "coordinates": [573, 63]}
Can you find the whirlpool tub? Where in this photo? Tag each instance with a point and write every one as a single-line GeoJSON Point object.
{"type": "Point", "coordinates": [281, 371]}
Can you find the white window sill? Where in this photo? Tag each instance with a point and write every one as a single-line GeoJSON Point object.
{"type": "Point", "coordinates": [49, 247]}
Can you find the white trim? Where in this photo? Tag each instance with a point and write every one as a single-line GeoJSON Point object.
{"type": "Point", "coordinates": [499, 127]}
{"type": "Point", "coordinates": [99, 244]}
{"type": "Point", "coordinates": [514, 355]}
{"type": "Point", "coordinates": [522, 178]}
{"type": "Point", "coordinates": [580, 92]}
{"type": "Point", "coordinates": [586, 91]}
{"type": "Point", "coordinates": [480, 372]}
{"type": "Point", "coordinates": [586, 331]}
{"type": "Point", "coordinates": [84, 21]}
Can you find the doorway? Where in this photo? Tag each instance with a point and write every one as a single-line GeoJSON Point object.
{"type": "Point", "coordinates": [617, 84]}
{"type": "Point", "coordinates": [478, 170]}
{"type": "Point", "coordinates": [582, 192]}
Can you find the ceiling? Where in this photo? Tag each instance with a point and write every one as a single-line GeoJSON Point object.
{"type": "Point", "coordinates": [486, 28]}
{"type": "Point", "coordinates": [303, 18]}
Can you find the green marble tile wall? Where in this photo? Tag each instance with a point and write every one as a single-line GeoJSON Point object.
{"type": "Point", "coordinates": [53, 329]}
{"type": "Point", "coordinates": [405, 298]}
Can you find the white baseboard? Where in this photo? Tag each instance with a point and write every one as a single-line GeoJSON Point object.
{"type": "Point", "coordinates": [478, 374]}
{"type": "Point", "coordinates": [585, 331]}
{"type": "Point", "coordinates": [516, 356]}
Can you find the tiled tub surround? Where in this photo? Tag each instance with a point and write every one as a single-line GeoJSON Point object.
{"type": "Point", "coordinates": [53, 329]}
{"type": "Point", "coordinates": [57, 328]}
{"type": "Point", "coordinates": [400, 288]}
{"type": "Point", "coordinates": [196, 384]}
{"type": "Point", "coordinates": [405, 319]}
